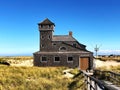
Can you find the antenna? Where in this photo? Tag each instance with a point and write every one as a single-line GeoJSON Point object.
{"type": "Point", "coordinates": [96, 49]}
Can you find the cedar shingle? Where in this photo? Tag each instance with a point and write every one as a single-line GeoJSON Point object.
{"type": "Point", "coordinates": [62, 38]}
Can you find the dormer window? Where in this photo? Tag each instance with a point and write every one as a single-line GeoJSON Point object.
{"type": "Point", "coordinates": [62, 48]}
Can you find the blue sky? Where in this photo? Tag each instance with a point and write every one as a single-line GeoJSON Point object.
{"type": "Point", "coordinates": [91, 21]}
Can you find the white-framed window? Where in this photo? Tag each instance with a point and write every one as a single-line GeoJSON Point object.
{"type": "Point", "coordinates": [49, 36]}
{"type": "Point", "coordinates": [54, 44]}
{"type": "Point", "coordinates": [62, 48]}
{"type": "Point", "coordinates": [56, 59]}
{"type": "Point", "coordinates": [42, 45]}
{"type": "Point", "coordinates": [43, 59]}
{"type": "Point", "coordinates": [42, 37]}
{"type": "Point", "coordinates": [70, 59]}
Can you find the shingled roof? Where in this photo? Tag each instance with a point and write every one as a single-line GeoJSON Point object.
{"type": "Point", "coordinates": [63, 38]}
{"type": "Point", "coordinates": [46, 22]}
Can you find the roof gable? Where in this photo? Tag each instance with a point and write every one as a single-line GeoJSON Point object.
{"type": "Point", "coordinates": [83, 49]}
{"type": "Point", "coordinates": [46, 22]}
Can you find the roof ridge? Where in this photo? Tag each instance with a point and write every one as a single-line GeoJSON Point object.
{"type": "Point", "coordinates": [74, 47]}
{"type": "Point", "coordinates": [46, 21]}
{"type": "Point", "coordinates": [60, 35]}
{"type": "Point", "coordinates": [63, 38]}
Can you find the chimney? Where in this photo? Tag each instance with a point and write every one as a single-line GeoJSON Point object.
{"type": "Point", "coordinates": [70, 33]}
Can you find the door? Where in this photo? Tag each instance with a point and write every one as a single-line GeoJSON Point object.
{"type": "Point", "coordinates": [84, 63]}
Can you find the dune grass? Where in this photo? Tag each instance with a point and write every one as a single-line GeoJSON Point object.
{"type": "Point", "coordinates": [36, 78]}
{"type": "Point", "coordinates": [29, 78]}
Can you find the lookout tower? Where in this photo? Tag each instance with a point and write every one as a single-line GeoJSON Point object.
{"type": "Point", "coordinates": [46, 29]}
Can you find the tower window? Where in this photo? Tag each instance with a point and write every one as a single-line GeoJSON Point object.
{"type": "Point", "coordinates": [44, 59]}
{"type": "Point", "coordinates": [41, 26]}
{"type": "Point", "coordinates": [57, 59]}
{"type": "Point", "coordinates": [42, 45]}
{"type": "Point", "coordinates": [42, 37]}
{"type": "Point", "coordinates": [70, 59]}
{"type": "Point", "coordinates": [49, 26]}
{"type": "Point", "coordinates": [49, 37]}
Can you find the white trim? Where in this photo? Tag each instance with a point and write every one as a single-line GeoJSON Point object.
{"type": "Point", "coordinates": [66, 52]}
{"type": "Point", "coordinates": [42, 37]}
{"type": "Point", "coordinates": [62, 47]}
{"type": "Point", "coordinates": [79, 62]}
{"type": "Point", "coordinates": [49, 37]}
{"type": "Point", "coordinates": [42, 46]}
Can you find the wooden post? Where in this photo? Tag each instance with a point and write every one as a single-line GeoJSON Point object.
{"type": "Point", "coordinates": [95, 85]}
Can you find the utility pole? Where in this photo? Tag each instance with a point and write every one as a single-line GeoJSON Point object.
{"type": "Point", "coordinates": [96, 49]}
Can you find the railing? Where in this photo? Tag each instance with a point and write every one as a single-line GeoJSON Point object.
{"type": "Point", "coordinates": [93, 83]}
{"type": "Point", "coordinates": [108, 75]}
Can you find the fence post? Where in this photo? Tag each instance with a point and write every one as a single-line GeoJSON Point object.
{"type": "Point", "coordinates": [95, 85]}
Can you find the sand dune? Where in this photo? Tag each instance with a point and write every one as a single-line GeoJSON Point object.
{"type": "Point", "coordinates": [97, 63]}
{"type": "Point", "coordinates": [106, 64]}
{"type": "Point", "coordinates": [28, 63]}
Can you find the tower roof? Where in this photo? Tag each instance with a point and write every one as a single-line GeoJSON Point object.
{"type": "Point", "coordinates": [46, 22]}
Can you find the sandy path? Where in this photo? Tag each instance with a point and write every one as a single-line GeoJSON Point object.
{"type": "Point", "coordinates": [106, 64]}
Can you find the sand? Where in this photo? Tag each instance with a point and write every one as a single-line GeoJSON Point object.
{"type": "Point", "coordinates": [27, 63]}
{"type": "Point", "coordinates": [107, 64]}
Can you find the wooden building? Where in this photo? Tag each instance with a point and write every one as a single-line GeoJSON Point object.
{"type": "Point", "coordinates": [61, 50]}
